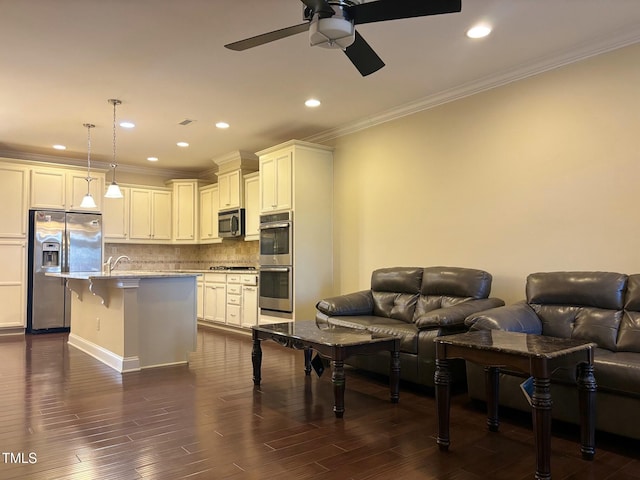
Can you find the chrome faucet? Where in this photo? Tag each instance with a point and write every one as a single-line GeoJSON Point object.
{"type": "Point", "coordinates": [109, 266]}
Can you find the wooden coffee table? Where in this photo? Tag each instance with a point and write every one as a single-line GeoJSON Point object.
{"type": "Point", "coordinates": [536, 355]}
{"type": "Point", "coordinates": [334, 343]}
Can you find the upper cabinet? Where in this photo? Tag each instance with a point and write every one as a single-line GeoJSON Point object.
{"type": "Point", "coordinates": [229, 188]}
{"type": "Point", "coordinates": [77, 189]}
{"type": "Point", "coordinates": [13, 198]}
{"type": "Point", "coordinates": [115, 217]}
{"type": "Point", "coordinates": [61, 188]}
{"type": "Point", "coordinates": [185, 206]}
{"type": "Point", "coordinates": [150, 215]}
{"type": "Point", "coordinates": [276, 169]}
{"type": "Point", "coordinates": [209, 214]}
{"type": "Point", "coordinates": [252, 206]}
{"type": "Point", "coordinates": [48, 188]}
{"type": "Point", "coordinates": [231, 170]}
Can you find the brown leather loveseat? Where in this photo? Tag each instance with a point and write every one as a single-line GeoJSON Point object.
{"type": "Point", "coordinates": [417, 304]}
{"type": "Point", "coordinates": [600, 307]}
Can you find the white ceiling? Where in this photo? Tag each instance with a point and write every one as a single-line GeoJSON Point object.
{"type": "Point", "coordinates": [61, 60]}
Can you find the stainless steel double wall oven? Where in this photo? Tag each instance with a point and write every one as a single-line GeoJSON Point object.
{"type": "Point", "coordinates": [276, 264]}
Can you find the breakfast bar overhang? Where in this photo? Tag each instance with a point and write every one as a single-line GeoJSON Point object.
{"type": "Point", "coordinates": [133, 320]}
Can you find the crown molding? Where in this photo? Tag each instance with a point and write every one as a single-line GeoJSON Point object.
{"type": "Point", "coordinates": [540, 65]}
{"type": "Point", "coordinates": [97, 165]}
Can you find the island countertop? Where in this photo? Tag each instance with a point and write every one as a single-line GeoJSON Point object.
{"type": "Point", "coordinates": [124, 274]}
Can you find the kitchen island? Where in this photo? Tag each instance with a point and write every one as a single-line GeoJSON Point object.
{"type": "Point", "coordinates": [132, 320]}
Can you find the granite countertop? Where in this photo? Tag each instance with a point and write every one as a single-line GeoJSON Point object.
{"type": "Point", "coordinates": [116, 274]}
{"type": "Point", "coordinates": [227, 270]}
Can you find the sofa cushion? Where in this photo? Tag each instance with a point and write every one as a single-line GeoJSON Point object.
{"type": "Point", "coordinates": [399, 306]}
{"type": "Point", "coordinates": [428, 303]}
{"type": "Point", "coordinates": [397, 279]}
{"type": "Point", "coordinates": [585, 323]}
{"type": "Point", "coordinates": [395, 292]}
{"type": "Point", "coordinates": [617, 372]}
{"type": "Point", "coordinates": [455, 282]}
{"type": "Point", "coordinates": [590, 289]}
{"type": "Point", "coordinates": [629, 333]}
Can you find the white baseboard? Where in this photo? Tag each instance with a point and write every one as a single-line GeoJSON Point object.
{"type": "Point", "coordinates": [118, 363]}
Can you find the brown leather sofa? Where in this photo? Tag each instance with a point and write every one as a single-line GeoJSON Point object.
{"type": "Point", "coordinates": [417, 304]}
{"type": "Point", "coordinates": [600, 307]}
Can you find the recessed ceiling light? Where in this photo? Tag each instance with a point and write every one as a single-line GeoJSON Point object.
{"type": "Point", "coordinates": [312, 103]}
{"type": "Point", "coordinates": [59, 147]}
{"type": "Point", "coordinates": [152, 159]}
{"type": "Point", "coordinates": [127, 124]}
{"type": "Point", "coordinates": [182, 144]}
{"type": "Point", "coordinates": [479, 31]}
{"type": "Point", "coordinates": [222, 125]}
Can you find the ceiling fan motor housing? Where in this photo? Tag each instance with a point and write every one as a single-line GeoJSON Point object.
{"type": "Point", "coordinates": [337, 31]}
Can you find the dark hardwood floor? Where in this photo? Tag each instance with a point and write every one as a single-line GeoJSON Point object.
{"type": "Point", "coordinates": [64, 415]}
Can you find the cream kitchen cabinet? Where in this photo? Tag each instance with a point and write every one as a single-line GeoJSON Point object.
{"type": "Point", "coordinates": [115, 217]}
{"type": "Point", "coordinates": [14, 185]}
{"type": "Point", "coordinates": [13, 284]}
{"type": "Point", "coordinates": [77, 188]}
{"type": "Point", "coordinates": [249, 306]}
{"type": "Point", "coordinates": [276, 181]}
{"type": "Point", "coordinates": [200, 297]}
{"type": "Point", "coordinates": [252, 206]}
{"type": "Point", "coordinates": [242, 299]}
{"type": "Point", "coordinates": [60, 188]}
{"type": "Point", "coordinates": [150, 215]}
{"type": "Point", "coordinates": [185, 207]}
{"type": "Point", "coordinates": [230, 190]}
{"type": "Point", "coordinates": [48, 188]}
{"type": "Point", "coordinates": [215, 297]}
{"type": "Point", "coordinates": [209, 214]}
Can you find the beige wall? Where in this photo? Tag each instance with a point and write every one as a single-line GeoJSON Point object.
{"type": "Point", "coordinates": [538, 175]}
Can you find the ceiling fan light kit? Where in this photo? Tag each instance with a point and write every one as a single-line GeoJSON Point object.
{"type": "Point", "coordinates": [331, 24]}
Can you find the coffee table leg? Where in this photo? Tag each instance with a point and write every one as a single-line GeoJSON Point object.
{"type": "Point", "coordinates": [307, 360]}
{"type": "Point", "coordinates": [256, 359]}
{"type": "Point", "coordinates": [442, 380]}
{"type": "Point", "coordinates": [338, 381]}
{"type": "Point", "coordinates": [394, 377]}
{"type": "Point", "coordinates": [587, 391]}
{"type": "Point", "coordinates": [541, 403]}
{"type": "Point", "coordinates": [492, 385]}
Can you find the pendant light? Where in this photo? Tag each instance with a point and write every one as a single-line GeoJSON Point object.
{"type": "Point", "coordinates": [87, 200]}
{"type": "Point", "coordinates": [114, 190]}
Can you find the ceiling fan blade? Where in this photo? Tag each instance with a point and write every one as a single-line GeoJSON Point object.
{"type": "Point", "coordinates": [319, 6]}
{"type": "Point", "coordinates": [363, 57]}
{"type": "Point", "coordinates": [383, 10]}
{"type": "Point", "coordinates": [267, 37]}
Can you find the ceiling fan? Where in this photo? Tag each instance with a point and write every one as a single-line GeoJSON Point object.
{"type": "Point", "coordinates": [331, 24]}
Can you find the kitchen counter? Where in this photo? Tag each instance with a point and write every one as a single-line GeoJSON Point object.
{"type": "Point", "coordinates": [132, 320]}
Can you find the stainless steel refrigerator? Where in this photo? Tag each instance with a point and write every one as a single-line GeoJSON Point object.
{"type": "Point", "coordinates": [58, 242]}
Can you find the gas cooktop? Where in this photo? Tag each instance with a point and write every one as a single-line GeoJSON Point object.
{"type": "Point", "coordinates": [232, 267]}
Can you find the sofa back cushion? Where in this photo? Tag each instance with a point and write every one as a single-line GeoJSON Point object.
{"type": "Point", "coordinates": [395, 292]}
{"type": "Point", "coordinates": [455, 282]}
{"type": "Point", "coordinates": [629, 333]}
{"type": "Point", "coordinates": [444, 287]}
{"type": "Point", "coordinates": [581, 305]}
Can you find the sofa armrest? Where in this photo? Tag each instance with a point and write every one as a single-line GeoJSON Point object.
{"type": "Point", "coordinates": [518, 317]}
{"type": "Point", "coordinates": [455, 314]}
{"type": "Point", "coordinates": [357, 303]}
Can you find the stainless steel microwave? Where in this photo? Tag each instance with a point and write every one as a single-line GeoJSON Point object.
{"type": "Point", "coordinates": [231, 223]}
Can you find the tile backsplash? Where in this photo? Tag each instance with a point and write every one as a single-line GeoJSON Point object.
{"type": "Point", "coordinates": [230, 252]}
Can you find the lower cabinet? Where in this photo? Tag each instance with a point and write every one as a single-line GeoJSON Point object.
{"type": "Point", "coordinates": [249, 305]}
{"type": "Point", "coordinates": [215, 297]}
{"type": "Point", "coordinates": [231, 299]}
{"type": "Point", "coordinates": [13, 283]}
